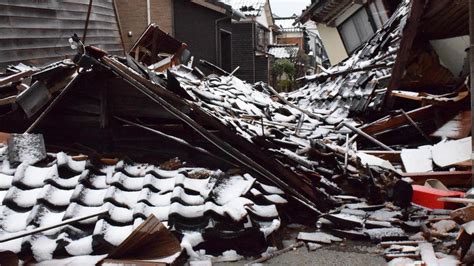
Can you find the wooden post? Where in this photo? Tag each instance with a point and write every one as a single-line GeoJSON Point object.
{"type": "Point", "coordinates": [471, 64]}
{"type": "Point", "coordinates": [403, 55]}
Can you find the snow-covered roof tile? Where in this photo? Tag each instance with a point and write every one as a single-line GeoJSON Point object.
{"type": "Point", "coordinates": [284, 51]}
{"type": "Point", "coordinates": [286, 24]}
{"type": "Point", "coordinates": [251, 8]}
{"type": "Point", "coordinates": [41, 195]}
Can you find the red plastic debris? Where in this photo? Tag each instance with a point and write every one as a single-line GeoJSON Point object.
{"type": "Point", "coordinates": [428, 197]}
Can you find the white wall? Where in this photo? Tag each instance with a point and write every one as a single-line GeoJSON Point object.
{"type": "Point", "coordinates": [332, 43]}
{"type": "Point", "coordinates": [263, 19]}
{"type": "Point", "coordinates": [451, 52]}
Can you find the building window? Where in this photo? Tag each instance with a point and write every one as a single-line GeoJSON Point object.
{"type": "Point", "coordinates": [356, 30]}
{"type": "Point", "coordinates": [378, 13]}
{"type": "Point", "coordinates": [262, 39]}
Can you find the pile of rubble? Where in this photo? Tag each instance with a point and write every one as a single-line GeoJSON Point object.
{"type": "Point", "coordinates": [282, 158]}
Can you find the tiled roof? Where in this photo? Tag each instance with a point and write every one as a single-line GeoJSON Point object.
{"type": "Point", "coordinates": [284, 51]}
{"type": "Point", "coordinates": [251, 8]}
{"type": "Point", "coordinates": [286, 24]}
{"type": "Point", "coordinates": [186, 199]}
{"type": "Point", "coordinates": [342, 89]}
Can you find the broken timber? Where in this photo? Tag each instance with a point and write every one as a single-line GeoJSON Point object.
{"type": "Point", "coordinates": [448, 178]}
{"type": "Point", "coordinates": [172, 104]}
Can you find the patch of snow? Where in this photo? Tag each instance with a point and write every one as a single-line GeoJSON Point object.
{"type": "Point", "coordinates": [81, 246]}
{"type": "Point", "coordinates": [190, 240]}
{"type": "Point", "coordinates": [318, 237]}
{"type": "Point", "coordinates": [5, 181]}
{"type": "Point", "coordinates": [23, 198]}
{"type": "Point", "coordinates": [74, 261]}
{"type": "Point", "coordinates": [32, 176]}
{"type": "Point", "coordinates": [66, 160]}
{"type": "Point", "coordinates": [43, 247]}
{"type": "Point", "coordinates": [271, 189]}
{"type": "Point", "coordinates": [178, 192]}
{"type": "Point", "coordinates": [230, 189]}
{"type": "Point", "coordinates": [268, 230]}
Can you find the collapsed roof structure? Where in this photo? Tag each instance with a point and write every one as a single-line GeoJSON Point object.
{"type": "Point", "coordinates": [292, 150]}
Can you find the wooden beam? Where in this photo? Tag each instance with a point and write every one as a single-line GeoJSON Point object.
{"type": "Point", "coordinates": [16, 77]}
{"type": "Point", "coordinates": [398, 120]}
{"type": "Point", "coordinates": [236, 147]}
{"type": "Point", "coordinates": [471, 59]}
{"type": "Point", "coordinates": [409, 34]}
{"type": "Point", "coordinates": [448, 178]}
{"type": "Point", "coordinates": [457, 200]}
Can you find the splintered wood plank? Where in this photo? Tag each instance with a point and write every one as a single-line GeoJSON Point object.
{"type": "Point", "coordinates": [150, 241]}
{"type": "Point", "coordinates": [463, 215]}
{"type": "Point", "coordinates": [457, 128]}
{"type": "Point", "coordinates": [403, 55]}
{"type": "Point", "coordinates": [388, 123]}
{"type": "Point", "coordinates": [452, 152]}
{"type": "Point", "coordinates": [448, 178]}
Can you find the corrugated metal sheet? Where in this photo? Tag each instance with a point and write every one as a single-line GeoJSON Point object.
{"type": "Point", "coordinates": [37, 31]}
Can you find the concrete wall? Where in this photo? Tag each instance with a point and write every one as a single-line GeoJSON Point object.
{"type": "Point", "coordinates": [332, 43]}
{"type": "Point", "coordinates": [134, 18]}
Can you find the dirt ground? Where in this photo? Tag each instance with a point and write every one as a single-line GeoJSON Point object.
{"type": "Point", "coordinates": [343, 253]}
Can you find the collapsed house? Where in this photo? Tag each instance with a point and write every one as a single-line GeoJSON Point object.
{"type": "Point", "coordinates": [292, 152]}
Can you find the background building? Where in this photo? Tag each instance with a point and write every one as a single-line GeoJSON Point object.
{"type": "Point", "coordinates": [250, 39]}
{"type": "Point", "coordinates": [37, 32]}
{"type": "Point", "coordinates": [345, 25]}
{"type": "Point", "coordinates": [204, 25]}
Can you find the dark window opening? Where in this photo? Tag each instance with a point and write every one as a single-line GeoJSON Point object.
{"type": "Point", "coordinates": [226, 50]}
{"type": "Point", "coordinates": [262, 39]}
{"type": "Point", "coordinates": [356, 30]}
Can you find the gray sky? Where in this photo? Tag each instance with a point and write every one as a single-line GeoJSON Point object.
{"type": "Point", "coordinates": [285, 8]}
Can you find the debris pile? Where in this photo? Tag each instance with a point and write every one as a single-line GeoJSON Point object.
{"type": "Point", "coordinates": [312, 155]}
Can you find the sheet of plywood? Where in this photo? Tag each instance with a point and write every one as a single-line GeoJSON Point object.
{"type": "Point", "coordinates": [452, 152]}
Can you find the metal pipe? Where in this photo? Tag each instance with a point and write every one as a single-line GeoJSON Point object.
{"type": "Point", "coordinates": [148, 12]}
{"type": "Point", "coordinates": [365, 135]}
{"type": "Point", "coordinates": [46, 228]}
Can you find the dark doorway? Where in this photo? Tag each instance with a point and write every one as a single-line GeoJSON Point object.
{"type": "Point", "coordinates": [226, 50]}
